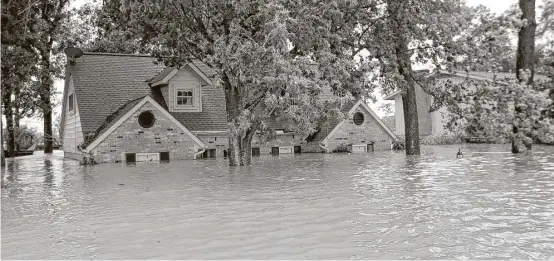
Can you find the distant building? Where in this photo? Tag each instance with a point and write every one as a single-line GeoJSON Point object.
{"type": "Point", "coordinates": [433, 122]}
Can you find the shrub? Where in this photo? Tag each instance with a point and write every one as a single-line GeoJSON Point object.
{"type": "Point", "coordinates": [341, 148]}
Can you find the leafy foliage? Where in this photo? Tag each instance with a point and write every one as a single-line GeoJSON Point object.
{"type": "Point", "coordinates": [273, 58]}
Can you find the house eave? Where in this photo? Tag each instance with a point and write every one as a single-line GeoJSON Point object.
{"type": "Point", "coordinates": [391, 96]}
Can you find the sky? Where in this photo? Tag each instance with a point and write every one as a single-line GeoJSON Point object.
{"type": "Point", "coordinates": [497, 6]}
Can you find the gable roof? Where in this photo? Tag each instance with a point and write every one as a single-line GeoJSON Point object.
{"type": "Point", "coordinates": [104, 82]}
{"type": "Point", "coordinates": [167, 73]}
{"type": "Point", "coordinates": [127, 111]}
{"type": "Point", "coordinates": [360, 102]}
{"type": "Point", "coordinates": [329, 126]}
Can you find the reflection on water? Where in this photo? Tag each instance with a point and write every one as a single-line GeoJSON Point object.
{"type": "Point", "coordinates": [488, 205]}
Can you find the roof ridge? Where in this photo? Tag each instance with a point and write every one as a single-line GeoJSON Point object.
{"type": "Point", "coordinates": [118, 54]}
{"type": "Point", "coordinates": [132, 55]}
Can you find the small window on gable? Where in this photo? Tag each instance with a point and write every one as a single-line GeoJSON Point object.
{"type": "Point", "coordinates": [185, 98]}
{"type": "Point", "coordinates": [358, 118]}
{"type": "Point", "coordinates": [70, 102]}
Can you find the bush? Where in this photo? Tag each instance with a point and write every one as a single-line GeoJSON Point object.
{"type": "Point", "coordinates": [341, 148]}
{"type": "Point", "coordinates": [398, 145]}
{"type": "Point", "coordinates": [445, 139]}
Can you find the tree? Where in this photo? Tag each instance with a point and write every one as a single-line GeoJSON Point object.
{"type": "Point", "coordinates": [26, 137]}
{"type": "Point", "coordinates": [525, 69]}
{"type": "Point", "coordinates": [18, 89]}
{"type": "Point", "coordinates": [402, 33]}
{"type": "Point", "coordinates": [3, 157]}
{"type": "Point", "coordinates": [37, 27]}
{"type": "Point", "coordinates": [271, 57]}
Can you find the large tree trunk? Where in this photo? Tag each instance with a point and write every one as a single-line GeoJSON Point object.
{"type": "Point", "coordinates": [409, 101]}
{"type": "Point", "coordinates": [3, 160]}
{"type": "Point", "coordinates": [16, 124]}
{"type": "Point", "coordinates": [240, 140]}
{"type": "Point", "coordinates": [46, 89]}
{"type": "Point", "coordinates": [10, 128]}
{"type": "Point", "coordinates": [240, 150]}
{"type": "Point", "coordinates": [525, 55]}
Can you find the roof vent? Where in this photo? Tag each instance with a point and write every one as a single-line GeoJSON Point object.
{"type": "Point", "coordinates": [72, 53]}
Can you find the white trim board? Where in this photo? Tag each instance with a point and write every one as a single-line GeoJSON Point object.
{"type": "Point", "coordinates": [352, 110]}
{"type": "Point", "coordinates": [193, 67]}
{"type": "Point", "coordinates": [127, 115]}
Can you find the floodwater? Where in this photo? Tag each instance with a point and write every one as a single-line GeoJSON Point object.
{"type": "Point", "coordinates": [382, 205]}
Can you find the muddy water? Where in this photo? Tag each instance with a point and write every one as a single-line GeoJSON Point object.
{"type": "Point", "coordinates": [487, 205]}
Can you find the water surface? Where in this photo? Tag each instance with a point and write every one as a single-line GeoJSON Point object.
{"type": "Point", "coordinates": [382, 205]}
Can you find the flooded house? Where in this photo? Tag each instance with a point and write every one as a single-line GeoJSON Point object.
{"type": "Point", "coordinates": [125, 108]}
{"type": "Point", "coordinates": [122, 108]}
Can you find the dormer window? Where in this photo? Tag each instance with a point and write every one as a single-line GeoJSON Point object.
{"type": "Point", "coordinates": [185, 97]}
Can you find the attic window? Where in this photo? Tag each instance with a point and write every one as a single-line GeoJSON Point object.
{"type": "Point", "coordinates": [146, 119]}
{"type": "Point", "coordinates": [184, 98]}
{"type": "Point", "coordinates": [70, 102]}
{"type": "Point", "coordinates": [358, 118]}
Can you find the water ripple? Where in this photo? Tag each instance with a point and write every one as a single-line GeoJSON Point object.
{"type": "Point", "coordinates": [488, 205]}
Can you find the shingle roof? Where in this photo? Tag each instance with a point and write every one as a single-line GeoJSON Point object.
{"type": "Point", "coordinates": [209, 72]}
{"type": "Point", "coordinates": [329, 126]}
{"type": "Point", "coordinates": [105, 82]}
{"type": "Point", "coordinates": [110, 120]}
{"type": "Point", "coordinates": [213, 116]}
{"type": "Point", "coordinates": [161, 75]}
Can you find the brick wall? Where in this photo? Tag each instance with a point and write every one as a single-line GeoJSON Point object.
{"type": "Point", "coordinates": [284, 140]}
{"type": "Point", "coordinates": [130, 137]}
{"type": "Point", "coordinates": [218, 142]}
{"type": "Point", "coordinates": [370, 130]}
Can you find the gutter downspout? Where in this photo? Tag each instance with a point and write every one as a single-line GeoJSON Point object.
{"type": "Point", "coordinates": [199, 153]}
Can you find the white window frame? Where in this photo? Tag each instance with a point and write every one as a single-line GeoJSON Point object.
{"type": "Point", "coordinates": [286, 150]}
{"type": "Point", "coordinates": [192, 98]}
{"type": "Point", "coordinates": [150, 157]}
{"type": "Point", "coordinates": [196, 105]}
{"type": "Point", "coordinates": [363, 146]}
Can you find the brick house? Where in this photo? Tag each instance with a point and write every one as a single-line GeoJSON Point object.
{"type": "Point", "coordinates": [125, 108]}
{"type": "Point", "coordinates": [120, 108]}
{"type": "Point", "coordinates": [360, 131]}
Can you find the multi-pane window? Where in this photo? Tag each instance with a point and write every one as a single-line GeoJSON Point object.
{"type": "Point", "coordinates": [185, 98]}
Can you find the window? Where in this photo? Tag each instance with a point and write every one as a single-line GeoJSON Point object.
{"type": "Point", "coordinates": [146, 119]}
{"type": "Point", "coordinates": [358, 118]}
{"type": "Point", "coordinates": [209, 154]}
{"type": "Point", "coordinates": [164, 156]}
{"type": "Point", "coordinates": [70, 101]}
{"type": "Point", "coordinates": [185, 98]}
{"type": "Point", "coordinates": [130, 157]}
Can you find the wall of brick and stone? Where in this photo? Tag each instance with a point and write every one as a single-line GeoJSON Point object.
{"type": "Point", "coordinates": [219, 142]}
{"type": "Point", "coordinates": [349, 133]}
{"type": "Point", "coordinates": [281, 140]}
{"type": "Point", "coordinates": [130, 137]}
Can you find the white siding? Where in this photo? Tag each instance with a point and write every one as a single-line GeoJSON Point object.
{"type": "Point", "coordinates": [399, 115]}
{"type": "Point", "coordinates": [439, 119]}
{"type": "Point", "coordinates": [185, 78]}
{"type": "Point", "coordinates": [165, 94]}
{"type": "Point", "coordinates": [73, 133]}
